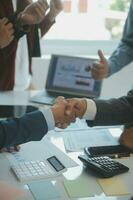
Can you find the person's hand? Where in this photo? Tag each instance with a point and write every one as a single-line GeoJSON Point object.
{"type": "Point", "coordinates": [6, 32]}
{"type": "Point", "coordinates": [61, 117]}
{"type": "Point", "coordinates": [34, 13]}
{"type": "Point", "coordinates": [126, 138]}
{"type": "Point", "coordinates": [10, 149]}
{"type": "Point", "coordinates": [100, 69]}
{"type": "Point", "coordinates": [56, 7]}
{"type": "Point", "coordinates": [74, 106]}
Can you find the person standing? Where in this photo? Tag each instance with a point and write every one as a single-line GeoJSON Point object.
{"type": "Point", "coordinates": [16, 58]}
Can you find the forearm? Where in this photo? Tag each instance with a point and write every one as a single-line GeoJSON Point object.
{"type": "Point", "coordinates": [113, 112]}
{"type": "Point", "coordinates": [30, 127]}
{"type": "Point", "coordinates": [45, 25]}
{"type": "Point", "coordinates": [121, 57]}
{"type": "Point", "coordinates": [110, 112]}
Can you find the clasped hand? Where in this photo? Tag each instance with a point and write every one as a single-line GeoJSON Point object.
{"type": "Point", "coordinates": [34, 13]}
{"type": "Point", "coordinates": [65, 111]}
{"type": "Point", "coordinates": [6, 32]}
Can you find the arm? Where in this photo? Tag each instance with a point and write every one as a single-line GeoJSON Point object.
{"type": "Point", "coordinates": [30, 127]}
{"type": "Point", "coordinates": [33, 126]}
{"type": "Point", "coordinates": [28, 14]}
{"type": "Point", "coordinates": [123, 55]}
{"type": "Point", "coordinates": [45, 25]}
{"type": "Point", "coordinates": [102, 112]}
{"type": "Point", "coordinates": [110, 112]}
{"type": "Point", "coordinates": [114, 111]}
{"type": "Point", "coordinates": [56, 7]}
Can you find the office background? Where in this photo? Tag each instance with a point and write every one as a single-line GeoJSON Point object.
{"type": "Point", "coordinates": [81, 29]}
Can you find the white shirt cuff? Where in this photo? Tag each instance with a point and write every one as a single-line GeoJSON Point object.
{"type": "Point", "coordinates": [48, 115]}
{"type": "Point", "coordinates": [91, 110]}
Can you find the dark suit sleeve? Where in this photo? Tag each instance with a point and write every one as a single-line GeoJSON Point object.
{"type": "Point", "coordinates": [30, 127]}
{"type": "Point", "coordinates": [19, 31]}
{"type": "Point", "coordinates": [45, 25]}
{"type": "Point", "coordinates": [114, 111]}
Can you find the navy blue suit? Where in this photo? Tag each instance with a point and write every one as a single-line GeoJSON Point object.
{"type": "Point", "coordinates": [30, 127]}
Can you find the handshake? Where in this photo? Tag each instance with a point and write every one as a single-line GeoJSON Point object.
{"type": "Point", "coordinates": [65, 111]}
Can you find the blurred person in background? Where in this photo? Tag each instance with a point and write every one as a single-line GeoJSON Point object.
{"type": "Point", "coordinates": [19, 39]}
{"type": "Point", "coordinates": [16, 58]}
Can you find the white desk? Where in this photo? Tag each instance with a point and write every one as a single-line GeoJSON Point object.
{"type": "Point", "coordinates": [16, 97]}
{"type": "Point", "coordinates": [71, 174]}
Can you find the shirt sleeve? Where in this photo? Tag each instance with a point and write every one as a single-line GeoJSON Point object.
{"type": "Point", "coordinates": [48, 115]}
{"type": "Point", "coordinates": [91, 110]}
{"type": "Point", "coordinates": [123, 54]}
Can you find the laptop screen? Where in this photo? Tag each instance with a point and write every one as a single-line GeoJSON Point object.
{"type": "Point", "coordinates": [72, 75]}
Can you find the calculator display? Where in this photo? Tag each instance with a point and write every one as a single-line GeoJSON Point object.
{"type": "Point", "coordinates": [58, 166]}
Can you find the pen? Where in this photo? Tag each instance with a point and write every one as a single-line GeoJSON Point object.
{"type": "Point", "coordinates": [119, 155]}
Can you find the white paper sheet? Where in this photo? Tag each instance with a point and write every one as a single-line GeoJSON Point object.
{"type": "Point", "coordinates": [77, 140]}
{"type": "Point", "coordinates": [40, 151]}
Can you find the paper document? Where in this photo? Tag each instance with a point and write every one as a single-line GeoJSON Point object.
{"type": "Point", "coordinates": [81, 187]}
{"type": "Point", "coordinates": [113, 186]}
{"type": "Point", "coordinates": [40, 151]}
{"type": "Point", "coordinates": [77, 140]}
{"type": "Point", "coordinates": [43, 190]}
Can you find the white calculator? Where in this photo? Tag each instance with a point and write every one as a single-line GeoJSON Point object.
{"type": "Point", "coordinates": [33, 170]}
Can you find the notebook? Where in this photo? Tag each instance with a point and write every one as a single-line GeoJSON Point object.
{"type": "Point", "coordinates": [69, 76]}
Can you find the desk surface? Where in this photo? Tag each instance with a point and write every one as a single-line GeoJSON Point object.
{"type": "Point", "coordinates": [16, 97]}
{"type": "Point", "coordinates": [71, 174]}
{"type": "Point", "coordinates": [13, 98]}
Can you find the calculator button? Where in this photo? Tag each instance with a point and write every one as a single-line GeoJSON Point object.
{"type": "Point", "coordinates": [106, 166]}
{"type": "Point", "coordinates": [33, 170]}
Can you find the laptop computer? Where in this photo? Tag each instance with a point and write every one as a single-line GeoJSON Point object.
{"type": "Point", "coordinates": [69, 76]}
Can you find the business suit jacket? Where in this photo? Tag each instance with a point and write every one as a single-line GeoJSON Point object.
{"type": "Point", "coordinates": [30, 127]}
{"type": "Point", "coordinates": [114, 111]}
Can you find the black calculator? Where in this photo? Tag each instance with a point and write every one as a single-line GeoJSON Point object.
{"type": "Point", "coordinates": [113, 151]}
{"type": "Point", "coordinates": [103, 165]}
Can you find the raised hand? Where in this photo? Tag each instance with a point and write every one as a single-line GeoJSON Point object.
{"type": "Point", "coordinates": [100, 69]}
{"type": "Point", "coordinates": [6, 32]}
{"type": "Point", "coordinates": [34, 13]}
{"type": "Point", "coordinates": [56, 7]}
